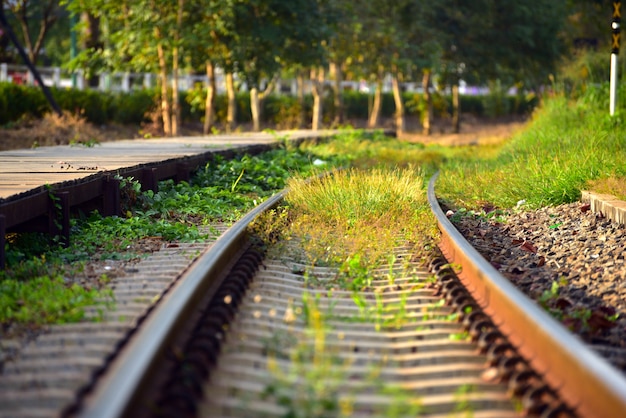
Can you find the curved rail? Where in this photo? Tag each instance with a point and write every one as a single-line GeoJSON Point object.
{"type": "Point", "coordinates": [586, 382]}
{"type": "Point", "coordinates": [118, 389]}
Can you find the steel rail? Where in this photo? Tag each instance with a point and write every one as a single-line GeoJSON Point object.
{"type": "Point", "coordinates": [586, 382]}
{"type": "Point", "coordinates": [121, 385]}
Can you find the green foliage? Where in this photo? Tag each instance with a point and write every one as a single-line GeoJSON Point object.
{"type": "Point", "coordinates": [567, 144]}
{"type": "Point", "coordinates": [18, 101]}
{"type": "Point", "coordinates": [132, 107]}
{"type": "Point", "coordinates": [279, 110]}
{"type": "Point", "coordinates": [223, 190]}
{"type": "Point", "coordinates": [44, 300]}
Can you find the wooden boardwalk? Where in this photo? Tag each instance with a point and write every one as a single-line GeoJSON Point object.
{"type": "Point", "coordinates": [25, 170]}
{"type": "Point", "coordinates": [40, 187]}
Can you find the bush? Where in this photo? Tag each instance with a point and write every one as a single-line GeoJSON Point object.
{"type": "Point", "coordinates": [93, 105]}
{"type": "Point", "coordinates": [283, 111]}
{"type": "Point", "coordinates": [21, 100]}
{"type": "Point", "coordinates": [131, 108]}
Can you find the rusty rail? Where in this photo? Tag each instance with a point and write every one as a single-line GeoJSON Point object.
{"type": "Point", "coordinates": [130, 373]}
{"type": "Point", "coordinates": [585, 381]}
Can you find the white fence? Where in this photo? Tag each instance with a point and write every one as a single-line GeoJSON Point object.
{"type": "Point", "coordinates": [58, 77]}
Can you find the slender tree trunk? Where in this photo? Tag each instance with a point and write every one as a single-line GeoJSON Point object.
{"type": "Point", "coordinates": [176, 112]}
{"type": "Point", "coordinates": [337, 70]}
{"type": "Point", "coordinates": [456, 108]}
{"type": "Point", "coordinates": [256, 102]}
{"type": "Point", "coordinates": [231, 114]}
{"type": "Point", "coordinates": [428, 111]}
{"type": "Point", "coordinates": [317, 78]}
{"type": "Point", "coordinates": [48, 18]}
{"type": "Point", "coordinates": [397, 97]}
{"type": "Point", "coordinates": [92, 41]}
{"type": "Point", "coordinates": [255, 105]}
{"type": "Point", "coordinates": [175, 94]}
{"type": "Point", "coordinates": [165, 101]}
{"type": "Point", "coordinates": [300, 86]}
{"type": "Point", "coordinates": [374, 118]}
{"type": "Point", "coordinates": [209, 111]}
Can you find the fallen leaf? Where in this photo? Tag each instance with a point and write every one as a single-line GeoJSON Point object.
{"type": "Point", "coordinates": [541, 262]}
{"type": "Point", "coordinates": [598, 321]}
{"type": "Point", "coordinates": [528, 246]}
{"type": "Point", "coordinates": [563, 303]}
{"type": "Point", "coordinates": [607, 310]}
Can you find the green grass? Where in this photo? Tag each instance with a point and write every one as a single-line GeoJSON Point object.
{"type": "Point", "coordinates": [364, 212]}
{"type": "Point", "coordinates": [38, 286]}
{"type": "Point", "coordinates": [567, 145]}
{"type": "Point", "coordinates": [43, 300]}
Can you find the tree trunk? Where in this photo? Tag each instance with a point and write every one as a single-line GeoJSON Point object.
{"type": "Point", "coordinates": [231, 114]}
{"type": "Point", "coordinates": [48, 18]}
{"type": "Point", "coordinates": [456, 108]}
{"type": "Point", "coordinates": [300, 86]}
{"type": "Point", "coordinates": [92, 41]}
{"type": "Point", "coordinates": [374, 118]}
{"type": "Point", "coordinates": [175, 94]}
{"type": "Point", "coordinates": [337, 92]}
{"type": "Point", "coordinates": [176, 112]}
{"type": "Point", "coordinates": [165, 101]}
{"type": "Point", "coordinates": [397, 97]}
{"type": "Point", "coordinates": [317, 78]}
{"type": "Point", "coordinates": [428, 110]}
{"type": "Point", "coordinates": [255, 104]}
{"type": "Point", "coordinates": [209, 110]}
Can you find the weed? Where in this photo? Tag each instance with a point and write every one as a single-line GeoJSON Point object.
{"type": "Point", "coordinates": [44, 300]}
{"type": "Point", "coordinates": [460, 336]}
{"type": "Point", "coordinates": [463, 403]}
{"type": "Point", "coordinates": [89, 143]}
{"type": "Point", "coordinates": [309, 388]}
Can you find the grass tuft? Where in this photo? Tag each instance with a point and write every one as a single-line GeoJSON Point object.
{"type": "Point", "coordinates": [360, 212]}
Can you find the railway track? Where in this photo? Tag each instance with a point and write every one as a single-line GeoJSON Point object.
{"type": "Point", "coordinates": [254, 331]}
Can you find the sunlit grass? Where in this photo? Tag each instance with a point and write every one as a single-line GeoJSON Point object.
{"type": "Point", "coordinates": [566, 145]}
{"type": "Point", "coordinates": [611, 185]}
{"type": "Point", "coordinates": [361, 211]}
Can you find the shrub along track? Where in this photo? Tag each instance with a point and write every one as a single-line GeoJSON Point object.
{"type": "Point", "coordinates": [287, 338]}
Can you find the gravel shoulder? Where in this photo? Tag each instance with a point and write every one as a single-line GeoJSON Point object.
{"type": "Point", "coordinates": [569, 259]}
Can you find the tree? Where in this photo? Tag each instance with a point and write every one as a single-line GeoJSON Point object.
{"type": "Point", "coordinates": [340, 49]}
{"type": "Point", "coordinates": [143, 35]}
{"type": "Point", "coordinates": [213, 29]}
{"type": "Point", "coordinates": [489, 40]}
{"type": "Point", "coordinates": [270, 34]}
{"type": "Point", "coordinates": [393, 43]}
{"type": "Point", "coordinates": [35, 19]}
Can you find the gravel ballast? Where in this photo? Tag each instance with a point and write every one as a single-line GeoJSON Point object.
{"type": "Point", "coordinates": [568, 259]}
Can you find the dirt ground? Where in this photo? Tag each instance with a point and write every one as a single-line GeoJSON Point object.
{"type": "Point", "coordinates": [474, 131]}
{"type": "Point", "coordinates": [53, 130]}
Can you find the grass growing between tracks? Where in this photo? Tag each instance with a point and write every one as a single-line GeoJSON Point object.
{"type": "Point", "coordinates": [569, 145]}
{"type": "Point", "coordinates": [354, 220]}
{"type": "Point", "coordinates": [361, 212]}
{"type": "Point", "coordinates": [313, 383]}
